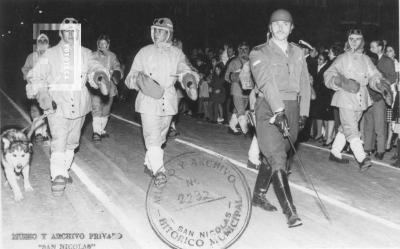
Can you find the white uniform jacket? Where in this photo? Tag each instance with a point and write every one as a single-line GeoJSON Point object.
{"type": "Point", "coordinates": [29, 63]}
{"type": "Point", "coordinates": [356, 66]}
{"type": "Point", "coordinates": [162, 64]}
{"type": "Point", "coordinates": [56, 68]}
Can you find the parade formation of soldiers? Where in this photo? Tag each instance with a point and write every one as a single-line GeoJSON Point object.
{"type": "Point", "coordinates": [280, 98]}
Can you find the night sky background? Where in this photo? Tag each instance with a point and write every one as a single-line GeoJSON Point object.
{"type": "Point", "coordinates": [198, 23]}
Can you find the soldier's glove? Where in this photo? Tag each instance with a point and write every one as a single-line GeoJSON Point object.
{"type": "Point", "coordinates": [189, 82]}
{"type": "Point", "coordinates": [280, 120]}
{"type": "Point", "coordinates": [302, 122]}
{"type": "Point", "coordinates": [349, 85]}
{"type": "Point", "coordinates": [116, 77]}
{"type": "Point", "coordinates": [45, 101]}
{"type": "Point", "coordinates": [384, 88]}
{"type": "Point", "coordinates": [102, 81]}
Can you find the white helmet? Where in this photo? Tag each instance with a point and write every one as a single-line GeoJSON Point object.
{"type": "Point", "coordinates": [165, 24]}
{"type": "Point", "coordinates": [42, 42]}
{"type": "Point", "coordinates": [69, 23]}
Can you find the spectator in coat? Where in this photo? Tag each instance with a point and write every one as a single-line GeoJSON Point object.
{"type": "Point", "coordinates": [334, 51]}
{"type": "Point", "coordinates": [321, 109]}
{"type": "Point", "coordinates": [375, 127]}
{"type": "Point", "coordinates": [218, 97]}
{"type": "Point", "coordinates": [389, 51]}
{"type": "Point", "coordinates": [396, 105]}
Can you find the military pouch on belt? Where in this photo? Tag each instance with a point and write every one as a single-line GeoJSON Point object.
{"type": "Point", "coordinates": [149, 87]}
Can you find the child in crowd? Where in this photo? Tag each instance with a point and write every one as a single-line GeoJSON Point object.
{"type": "Point", "coordinates": [204, 96]}
{"type": "Point", "coordinates": [218, 92]}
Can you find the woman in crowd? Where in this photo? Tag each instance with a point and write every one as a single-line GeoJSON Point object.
{"type": "Point", "coordinates": [322, 110]}
{"type": "Point", "coordinates": [389, 51]}
{"type": "Point", "coordinates": [334, 51]}
{"type": "Point", "coordinates": [396, 113]}
{"type": "Point", "coordinates": [320, 107]}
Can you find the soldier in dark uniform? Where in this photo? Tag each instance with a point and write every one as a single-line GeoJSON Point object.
{"type": "Point", "coordinates": [281, 76]}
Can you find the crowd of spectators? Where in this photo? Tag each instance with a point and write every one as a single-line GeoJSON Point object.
{"type": "Point", "coordinates": [215, 103]}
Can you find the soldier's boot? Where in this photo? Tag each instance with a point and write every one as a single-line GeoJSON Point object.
{"type": "Point", "coordinates": [365, 164]}
{"type": "Point", "coordinates": [261, 187]}
{"type": "Point", "coordinates": [96, 136]}
{"type": "Point", "coordinates": [289, 162]}
{"type": "Point", "coordinates": [254, 155]}
{"type": "Point", "coordinates": [364, 161]}
{"type": "Point", "coordinates": [337, 147]}
{"type": "Point", "coordinates": [232, 125]}
{"type": "Point", "coordinates": [282, 191]}
{"type": "Point", "coordinates": [243, 123]}
{"type": "Point", "coordinates": [103, 124]}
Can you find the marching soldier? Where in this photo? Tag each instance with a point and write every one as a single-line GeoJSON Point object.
{"type": "Point", "coordinates": [42, 44]}
{"type": "Point", "coordinates": [349, 75]}
{"type": "Point", "coordinates": [101, 105]}
{"type": "Point", "coordinates": [155, 69]}
{"type": "Point", "coordinates": [281, 76]}
{"type": "Point", "coordinates": [58, 82]}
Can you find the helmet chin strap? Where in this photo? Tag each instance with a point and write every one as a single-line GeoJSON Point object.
{"type": "Point", "coordinates": [103, 51]}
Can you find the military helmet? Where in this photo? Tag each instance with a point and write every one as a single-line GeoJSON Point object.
{"type": "Point", "coordinates": [42, 42]}
{"type": "Point", "coordinates": [354, 32]}
{"type": "Point", "coordinates": [163, 23]}
{"type": "Point", "coordinates": [68, 23]}
{"type": "Point", "coordinates": [280, 15]}
{"type": "Point", "coordinates": [42, 38]}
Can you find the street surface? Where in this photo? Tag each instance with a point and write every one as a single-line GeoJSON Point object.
{"type": "Point", "coordinates": [106, 201]}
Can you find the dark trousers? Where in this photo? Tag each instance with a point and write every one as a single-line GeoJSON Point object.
{"type": "Point", "coordinates": [271, 141]}
{"type": "Point", "coordinates": [375, 127]}
{"type": "Point", "coordinates": [336, 117]}
{"type": "Point", "coordinates": [213, 110]}
{"type": "Point", "coordinates": [227, 105]}
{"type": "Point", "coordinates": [304, 134]}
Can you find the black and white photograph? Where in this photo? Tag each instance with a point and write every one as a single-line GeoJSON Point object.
{"type": "Point", "coordinates": [152, 124]}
